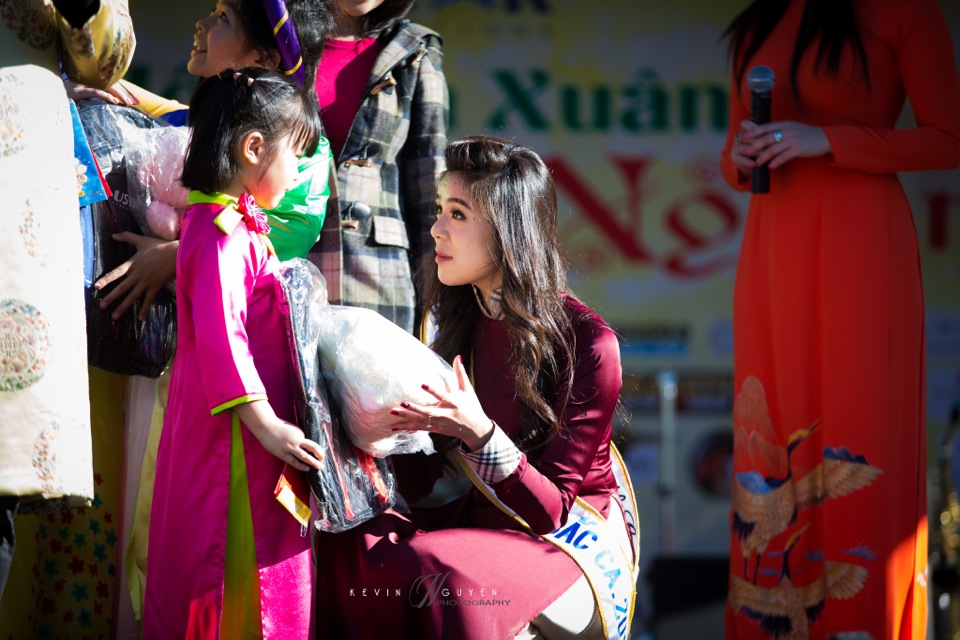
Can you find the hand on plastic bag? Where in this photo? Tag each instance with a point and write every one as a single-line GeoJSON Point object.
{"type": "Point", "coordinates": [457, 413]}
{"type": "Point", "coordinates": [138, 336]}
{"type": "Point", "coordinates": [114, 94]}
{"type": "Point", "coordinates": [350, 486]}
{"type": "Point", "coordinates": [373, 365]}
{"type": "Point", "coordinates": [152, 267]}
{"type": "Point", "coordinates": [284, 440]}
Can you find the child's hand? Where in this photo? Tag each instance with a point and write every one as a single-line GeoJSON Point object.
{"type": "Point", "coordinates": [287, 442]}
{"type": "Point", "coordinates": [153, 265]}
{"type": "Point", "coordinates": [281, 438]}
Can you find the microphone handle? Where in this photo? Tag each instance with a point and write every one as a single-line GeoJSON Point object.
{"type": "Point", "coordinates": [760, 114]}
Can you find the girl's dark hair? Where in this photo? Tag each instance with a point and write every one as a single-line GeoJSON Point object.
{"type": "Point", "coordinates": [515, 195]}
{"type": "Point", "coordinates": [312, 20]}
{"type": "Point", "coordinates": [226, 107]}
{"type": "Point", "coordinates": [256, 25]}
{"type": "Point", "coordinates": [834, 22]}
{"type": "Point", "coordinates": [380, 18]}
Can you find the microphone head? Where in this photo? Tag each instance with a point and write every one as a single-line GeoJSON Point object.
{"type": "Point", "coordinates": [760, 79]}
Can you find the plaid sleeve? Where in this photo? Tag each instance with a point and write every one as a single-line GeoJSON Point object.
{"type": "Point", "coordinates": [423, 152]}
{"type": "Point", "coordinates": [497, 459]}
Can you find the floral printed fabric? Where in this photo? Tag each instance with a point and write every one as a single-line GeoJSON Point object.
{"type": "Point", "coordinates": [65, 560]}
{"type": "Point", "coordinates": [65, 579]}
{"type": "Point", "coordinates": [44, 416]}
{"type": "Point", "coordinates": [76, 570]}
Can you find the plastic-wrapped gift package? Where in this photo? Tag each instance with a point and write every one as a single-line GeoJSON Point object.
{"type": "Point", "coordinates": [373, 365]}
{"type": "Point", "coordinates": [354, 366]}
{"type": "Point", "coordinates": [154, 166]}
{"type": "Point", "coordinates": [128, 346]}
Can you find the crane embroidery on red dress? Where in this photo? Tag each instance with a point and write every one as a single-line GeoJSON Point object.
{"type": "Point", "coordinates": [767, 500]}
{"type": "Point", "coordinates": [786, 610]}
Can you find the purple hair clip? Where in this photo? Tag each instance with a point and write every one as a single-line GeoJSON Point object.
{"type": "Point", "coordinates": [291, 62]}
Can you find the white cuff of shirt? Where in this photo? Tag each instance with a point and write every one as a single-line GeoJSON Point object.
{"type": "Point", "coordinates": [495, 460]}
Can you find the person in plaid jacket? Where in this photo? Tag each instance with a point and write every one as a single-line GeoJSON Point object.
{"type": "Point", "coordinates": [385, 109]}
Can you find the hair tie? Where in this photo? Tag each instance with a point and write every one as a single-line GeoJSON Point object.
{"type": "Point", "coordinates": [291, 62]}
{"type": "Point", "coordinates": [239, 76]}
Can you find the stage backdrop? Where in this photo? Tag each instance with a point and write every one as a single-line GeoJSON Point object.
{"type": "Point", "coordinates": [627, 101]}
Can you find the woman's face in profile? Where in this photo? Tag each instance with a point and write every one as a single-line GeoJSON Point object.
{"type": "Point", "coordinates": [465, 245]}
{"type": "Point", "coordinates": [220, 42]}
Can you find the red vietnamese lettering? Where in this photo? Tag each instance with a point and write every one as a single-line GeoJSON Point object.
{"type": "Point", "coordinates": [626, 238]}
{"type": "Point", "coordinates": [697, 244]}
{"type": "Point", "coordinates": [701, 253]}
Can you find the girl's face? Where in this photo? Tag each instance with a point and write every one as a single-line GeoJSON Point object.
{"type": "Point", "coordinates": [221, 42]}
{"type": "Point", "coordinates": [358, 8]}
{"type": "Point", "coordinates": [268, 181]}
{"type": "Point", "coordinates": [465, 244]}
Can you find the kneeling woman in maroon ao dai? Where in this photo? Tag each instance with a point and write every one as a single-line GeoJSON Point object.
{"type": "Point", "coordinates": [539, 378]}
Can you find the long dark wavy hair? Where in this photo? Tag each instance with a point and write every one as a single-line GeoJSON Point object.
{"type": "Point", "coordinates": [513, 192]}
{"type": "Point", "coordinates": [834, 22]}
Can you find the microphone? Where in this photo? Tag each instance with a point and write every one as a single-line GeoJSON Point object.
{"type": "Point", "coordinates": [760, 82]}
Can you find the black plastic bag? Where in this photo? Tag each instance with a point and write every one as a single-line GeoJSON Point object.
{"type": "Point", "coordinates": [127, 346]}
{"type": "Point", "coordinates": [351, 486]}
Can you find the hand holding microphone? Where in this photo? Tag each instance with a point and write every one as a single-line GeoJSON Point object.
{"type": "Point", "coordinates": [766, 145]}
{"type": "Point", "coordinates": [760, 82]}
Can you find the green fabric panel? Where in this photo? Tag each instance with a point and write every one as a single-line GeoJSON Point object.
{"type": "Point", "coordinates": [241, 580]}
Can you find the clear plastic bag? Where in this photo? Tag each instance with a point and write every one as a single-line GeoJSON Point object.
{"type": "Point", "coordinates": [374, 365]}
{"type": "Point", "coordinates": [354, 365]}
{"type": "Point", "coordinates": [154, 165]}
{"type": "Point", "coordinates": [351, 486]}
{"type": "Point", "coordinates": [369, 364]}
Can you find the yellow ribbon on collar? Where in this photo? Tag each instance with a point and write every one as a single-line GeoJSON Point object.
{"type": "Point", "coordinates": [230, 217]}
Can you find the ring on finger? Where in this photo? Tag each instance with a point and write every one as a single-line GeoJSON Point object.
{"type": "Point", "coordinates": [429, 418]}
{"type": "Point", "coordinates": [777, 136]}
{"type": "Point", "coordinates": [740, 137]}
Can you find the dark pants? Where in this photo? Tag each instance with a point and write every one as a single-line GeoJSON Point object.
{"type": "Point", "coordinates": [8, 509]}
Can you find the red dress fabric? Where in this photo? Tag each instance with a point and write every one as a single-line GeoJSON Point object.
{"type": "Point", "coordinates": [829, 513]}
{"type": "Point", "coordinates": [497, 578]}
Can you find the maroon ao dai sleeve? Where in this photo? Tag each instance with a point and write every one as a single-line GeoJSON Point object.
{"type": "Point", "coordinates": [577, 463]}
